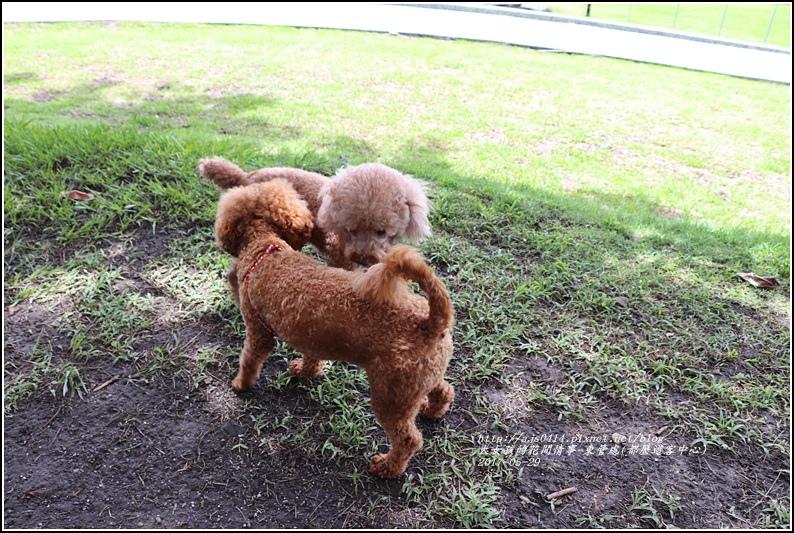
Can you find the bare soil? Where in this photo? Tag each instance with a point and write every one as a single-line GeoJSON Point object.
{"type": "Point", "coordinates": [154, 452]}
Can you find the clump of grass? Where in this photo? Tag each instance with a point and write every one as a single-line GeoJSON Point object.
{"type": "Point", "coordinates": [654, 508]}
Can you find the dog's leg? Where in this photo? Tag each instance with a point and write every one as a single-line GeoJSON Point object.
{"type": "Point", "coordinates": [257, 347]}
{"type": "Point", "coordinates": [438, 401]}
{"type": "Point", "coordinates": [234, 282]}
{"type": "Point", "coordinates": [335, 255]}
{"type": "Point", "coordinates": [306, 367]}
{"type": "Point", "coordinates": [399, 423]}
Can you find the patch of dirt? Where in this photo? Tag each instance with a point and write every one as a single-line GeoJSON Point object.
{"type": "Point", "coordinates": [47, 96]}
{"type": "Point", "coordinates": [148, 454]}
{"type": "Point", "coordinates": [156, 452]}
{"type": "Point", "coordinates": [703, 488]}
{"type": "Point", "coordinates": [669, 213]}
{"type": "Point", "coordinates": [151, 454]}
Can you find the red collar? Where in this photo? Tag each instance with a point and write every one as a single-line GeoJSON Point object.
{"type": "Point", "coordinates": [269, 250]}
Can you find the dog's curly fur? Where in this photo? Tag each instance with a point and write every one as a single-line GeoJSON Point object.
{"type": "Point", "coordinates": [370, 208]}
{"type": "Point", "coordinates": [369, 318]}
{"type": "Point", "coordinates": [359, 214]}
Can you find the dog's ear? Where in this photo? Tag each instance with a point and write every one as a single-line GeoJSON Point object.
{"type": "Point", "coordinates": [325, 212]}
{"type": "Point", "coordinates": [246, 213]}
{"type": "Point", "coordinates": [289, 214]}
{"type": "Point", "coordinates": [418, 208]}
{"type": "Point", "coordinates": [235, 208]}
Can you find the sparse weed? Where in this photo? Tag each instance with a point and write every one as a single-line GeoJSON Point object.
{"type": "Point", "coordinates": [776, 515]}
{"type": "Point", "coordinates": [592, 522]}
{"type": "Point", "coordinates": [472, 505]}
{"type": "Point", "coordinates": [67, 381]}
{"type": "Point", "coordinates": [652, 508]}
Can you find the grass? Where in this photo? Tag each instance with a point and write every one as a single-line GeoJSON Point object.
{"type": "Point", "coordinates": [590, 217]}
{"type": "Point", "coordinates": [653, 509]}
{"type": "Point", "coordinates": [757, 22]}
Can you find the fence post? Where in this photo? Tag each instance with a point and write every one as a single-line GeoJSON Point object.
{"type": "Point", "coordinates": [722, 22]}
{"type": "Point", "coordinates": [769, 29]}
{"type": "Point", "coordinates": [675, 17]}
{"type": "Point", "coordinates": [588, 10]}
{"type": "Point", "coordinates": [629, 21]}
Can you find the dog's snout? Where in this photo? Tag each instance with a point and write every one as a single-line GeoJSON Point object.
{"type": "Point", "coordinates": [365, 260]}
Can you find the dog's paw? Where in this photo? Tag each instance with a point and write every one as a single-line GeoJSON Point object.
{"type": "Point", "coordinates": [433, 412]}
{"type": "Point", "coordinates": [239, 384]}
{"type": "Point", "coordinates": [383, 468]}
{"type": "Point", "coordinates": [437, 402]}
{"type": "Point", "coordinates": [305, 368]}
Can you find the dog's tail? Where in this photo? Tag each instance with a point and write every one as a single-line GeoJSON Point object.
{"type": "Point", "coordinates": [222, 173]}
{"type": "Point", "coordinates": [384, 282]}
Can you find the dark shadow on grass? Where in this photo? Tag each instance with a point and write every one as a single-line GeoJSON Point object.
{"type": "Point", "coordinates": [645, 224]}
{"type": "Point", "coordinates": [164, 106]}
{"type": "Point", "coordinates": [485, 211]}
{"type": "Point", "coordinates": [205, 453]}
{"type": "Point", "coordinates": [19, 77]}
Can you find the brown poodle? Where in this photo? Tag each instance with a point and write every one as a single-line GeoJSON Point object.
{"type": "Point", "coordinates": [358, 215]}
{"type": "Point", "coordinates": [369, 318]}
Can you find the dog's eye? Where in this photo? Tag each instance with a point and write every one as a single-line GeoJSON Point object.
{"type": "Point", "coordinates": [381, 233]}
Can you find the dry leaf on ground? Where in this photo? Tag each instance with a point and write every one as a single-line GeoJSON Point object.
{"type": "Point", "coordinates": [763, 282]}
{"type": "Point", "coordinates": [77, 195]}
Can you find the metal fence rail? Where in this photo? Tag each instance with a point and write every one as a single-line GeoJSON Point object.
{"type": "Point", "coordinates": [729, 20]}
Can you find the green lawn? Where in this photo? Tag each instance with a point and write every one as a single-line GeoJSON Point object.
{"type": "Point", "coordinates": [757, 22]}
{"type": "Point", "coordinates": [590, 218]}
